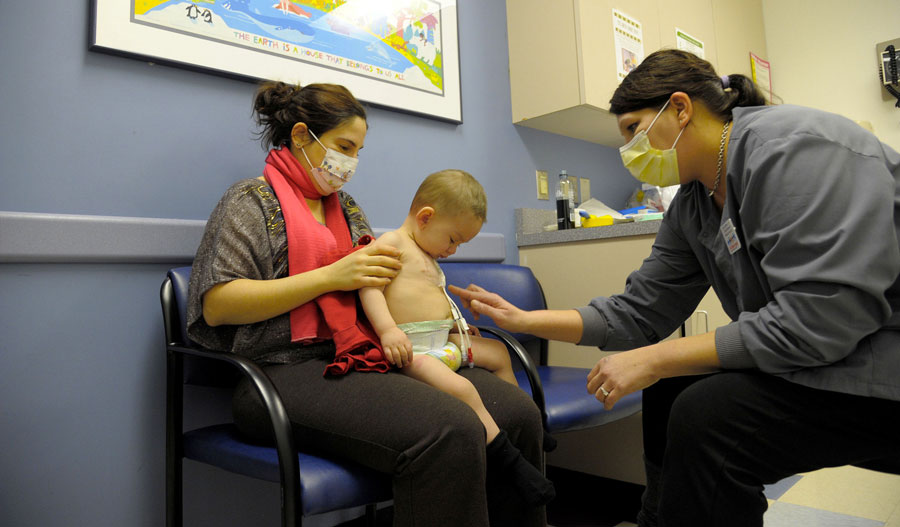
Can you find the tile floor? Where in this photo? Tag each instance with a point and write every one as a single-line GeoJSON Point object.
{"type": "Point", "coordinates": [832, 497]}
{"type": "Point", "coordinates": [835, 497]}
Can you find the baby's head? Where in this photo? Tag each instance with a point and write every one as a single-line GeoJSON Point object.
{"type": "Point", "coordinates": [449, 208]}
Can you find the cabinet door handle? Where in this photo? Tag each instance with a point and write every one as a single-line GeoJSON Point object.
{"type": "Point", "coordinates": [705, 319]}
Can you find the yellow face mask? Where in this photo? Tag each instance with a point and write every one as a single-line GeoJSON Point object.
{"type": "Point", "coordinates": [651, 165]}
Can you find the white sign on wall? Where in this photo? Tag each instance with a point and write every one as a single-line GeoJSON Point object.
{"type": "Point", "coordinates": [629, 42]}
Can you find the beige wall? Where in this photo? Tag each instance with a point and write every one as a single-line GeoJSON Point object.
{"type": "Point", "coordinates": [822, 54]}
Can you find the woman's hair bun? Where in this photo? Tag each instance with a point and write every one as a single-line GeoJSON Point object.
{"type": "Point", "coordinates": [274, 96]}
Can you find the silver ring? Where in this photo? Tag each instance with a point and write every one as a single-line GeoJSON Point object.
{"type": "Point", "coordinates": [605, 393]}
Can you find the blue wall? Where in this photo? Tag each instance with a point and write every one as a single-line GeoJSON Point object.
{"type": "Point", "coordinates": [81, 346]}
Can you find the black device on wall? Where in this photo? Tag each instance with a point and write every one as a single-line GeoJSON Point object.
{"type": "Point", "coordinates": [889, 69]}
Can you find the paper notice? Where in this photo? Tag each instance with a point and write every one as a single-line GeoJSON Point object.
{"type": "Point", "coordinates": [629, 42]}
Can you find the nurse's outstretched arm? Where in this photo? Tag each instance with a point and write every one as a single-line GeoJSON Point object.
{"type": "Point", "coordinates": [563, 325]}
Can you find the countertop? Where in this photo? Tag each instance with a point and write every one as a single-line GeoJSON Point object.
{"type": "Point", "coordinates": [530, 224]}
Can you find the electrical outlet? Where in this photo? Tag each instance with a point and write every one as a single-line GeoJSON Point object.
{"type": "Point", "coordinates": [543, 188]}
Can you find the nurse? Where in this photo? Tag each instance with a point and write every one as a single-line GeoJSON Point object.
{"type": "Point", "coordinates": [791, 215]}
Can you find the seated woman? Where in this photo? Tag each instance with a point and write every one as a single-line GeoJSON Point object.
{"type": "Point", "coordinates": [275, 279]}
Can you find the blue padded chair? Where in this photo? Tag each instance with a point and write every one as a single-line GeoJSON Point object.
{"type": "Point", "coordinates": [566, 404]}
{"type": "Point", "coordinates": [309, 484]}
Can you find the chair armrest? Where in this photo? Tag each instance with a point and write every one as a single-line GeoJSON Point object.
{"type": "Point", "coordinates": [534, 380]}
{"type": "Point", "coordinates": [284, 441]}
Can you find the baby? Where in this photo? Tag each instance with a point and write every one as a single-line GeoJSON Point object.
{"type": "Point", "coordinates": [413, 315]}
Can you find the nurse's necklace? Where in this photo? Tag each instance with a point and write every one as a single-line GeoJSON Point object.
{"type": "Point", "coordinates": [719, 163]}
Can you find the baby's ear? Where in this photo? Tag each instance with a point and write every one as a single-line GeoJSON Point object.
{"type": "Point", "coordinates": [424, 215]}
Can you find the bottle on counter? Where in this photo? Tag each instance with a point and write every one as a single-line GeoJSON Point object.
{"type": "Point", "coordinates": [564, 206]}
{"type": "Point", "coordinates": [574, 220]}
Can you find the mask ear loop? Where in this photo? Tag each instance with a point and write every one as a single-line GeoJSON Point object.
{"type": "Point", "coordinates": [304, 150]}
{"type": "Point", "coordinates": [657, 117]}
{"type": "Point", "coordinates": [325, 148]}
{"type": "Point", "coordinates": [307, 157]}
{"type": "Point", "coordinates": [679, 136]}
{"type": "Point", "coordinates": [658, 114]}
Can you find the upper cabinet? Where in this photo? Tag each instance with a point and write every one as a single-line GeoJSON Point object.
{"type": "Point", "coordinates": [563, 63]}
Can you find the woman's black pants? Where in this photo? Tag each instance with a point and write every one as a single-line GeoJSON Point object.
{"type": "Point", "coordinates": [432, 443]}
{"type": "Point", "coordinates": [712, 442]}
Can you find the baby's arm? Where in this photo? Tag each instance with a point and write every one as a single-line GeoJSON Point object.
{"type": "Point", "coordinates": [396, 345]}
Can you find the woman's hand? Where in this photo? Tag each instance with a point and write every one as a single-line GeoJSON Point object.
{"type": "Point", "coordinates": [617, 375]}
{"type": "Point", "coordinates": [372, 266]}
{"type": "Point", "coordinates": [397, 347]}
{"type": "Point", "coordinates": [482, 302]}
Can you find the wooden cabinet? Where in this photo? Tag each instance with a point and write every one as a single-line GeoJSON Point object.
{"type": "Point", "coordinates": [562, 54]}
{"type": "Point", "coordinates": [693, 17]}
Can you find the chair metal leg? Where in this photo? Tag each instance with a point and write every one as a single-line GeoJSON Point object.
{"type": "Point", "coordinates": [371, 514]}
{"type": "Point", "coordinates": [174, 412]}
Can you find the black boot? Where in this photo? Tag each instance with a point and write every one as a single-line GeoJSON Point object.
{"type": "Point", "coordinates": [506, 462]}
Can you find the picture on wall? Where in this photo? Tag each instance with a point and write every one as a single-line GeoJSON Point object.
{"type": "Point", "coordinates": [399, 54]}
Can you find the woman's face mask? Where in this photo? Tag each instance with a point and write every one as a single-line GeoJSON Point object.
{"type": "Point", "coordinates": [651, 165]}
{"type": "Point", "coordinates": [336, 168]}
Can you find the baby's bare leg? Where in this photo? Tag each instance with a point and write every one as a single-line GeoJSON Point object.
{"type": "Point", "coordinates": [435, 373]}
{"type": "Point", "coordinates": [490, 354]}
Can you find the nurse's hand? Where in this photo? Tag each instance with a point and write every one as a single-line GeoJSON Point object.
{"type": "Point", "coordinates": [619, 374]}
{"type": "Point", "coordinates": [482, 302]}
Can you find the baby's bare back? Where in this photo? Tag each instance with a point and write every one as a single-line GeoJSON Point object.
{"type": "Point", "coordinates": [415, 294]}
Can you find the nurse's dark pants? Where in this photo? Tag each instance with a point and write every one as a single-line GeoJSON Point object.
{"type": "Point", "coordinates": [718, 439]}
{"type": "Point", "coordinates": [432, 443]}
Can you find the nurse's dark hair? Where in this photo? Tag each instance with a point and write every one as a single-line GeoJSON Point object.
{"type": "Point", "coordinates": [278, 106]}
{"type": "Point", "coordinates": [667, 71]}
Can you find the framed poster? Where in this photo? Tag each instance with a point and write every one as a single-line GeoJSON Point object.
{"type": "Point", "coordinates": [402, 54]}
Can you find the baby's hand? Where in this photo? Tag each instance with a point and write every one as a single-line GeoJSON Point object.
{"type": "Point", "coordinates": [397, 347]}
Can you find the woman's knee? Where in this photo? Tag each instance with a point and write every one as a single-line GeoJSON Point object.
{"type": "Point", "coordinates": [714, 413]}
{"type": "Point", "coordinates": [512, 408]}
{"type": "Point", "coordinates": [523, 411]}
{"type": "Point", "coordinates": [457, 438]}
{"type": "Point", "coordinates": [700, 412]}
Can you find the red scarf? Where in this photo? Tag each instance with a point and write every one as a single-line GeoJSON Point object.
{"type": "Point", "coordinates": [312, 245]}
